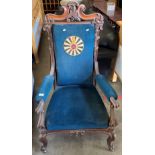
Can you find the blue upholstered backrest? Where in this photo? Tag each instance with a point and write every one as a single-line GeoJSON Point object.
{"type": "Point", "coordinates": [74, 48]}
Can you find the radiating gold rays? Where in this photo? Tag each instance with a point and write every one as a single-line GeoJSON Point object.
{"type": "Point", "coordinates": [73, 45]}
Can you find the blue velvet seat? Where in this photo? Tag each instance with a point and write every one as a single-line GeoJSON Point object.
{"type": "Point", "coordinates": [76, 107]}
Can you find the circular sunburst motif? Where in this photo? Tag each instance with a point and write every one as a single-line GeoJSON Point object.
{"type": "Point", "coordinates": [73, 45]}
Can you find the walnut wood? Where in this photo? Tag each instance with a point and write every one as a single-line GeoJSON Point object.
{"type": "Point", "coordinates": [83, 16]}
{"type": "Point", "coordinates": [74, 14]}
{"type": "Point", "coordinates": [74, 10]}
{"type": "Point", "coordinates": [114, 103]}
{"type": "Point", "coordinates": [43, 139]}
{"type": "Point", "coordinates": [41, 126]}
{"type": "Point", "coordinates": [112, 121]}
{"type": "Point", "coordinates": [110, 141]}
{"type": "Point", "coordinates": [106, 130]}
{"type": "Point", "coordinates": [57, 17]}
{"type": "Point", "coordinates": [41, 112]}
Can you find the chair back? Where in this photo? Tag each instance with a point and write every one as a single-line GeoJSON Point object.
{"type": "Point", "coordinates": [73, 44]}
{"type": "Point", "coordinates": [74, 49]}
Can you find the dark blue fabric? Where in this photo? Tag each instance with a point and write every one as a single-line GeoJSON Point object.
{"type": "Point", "coordinates": [105, 87]}
{"type": "Point", "coordinates": [76, 107]}
{"type": "Point", "coordinates": [74, 70]}
{"type": "Point", "coordinates": [45, 88]}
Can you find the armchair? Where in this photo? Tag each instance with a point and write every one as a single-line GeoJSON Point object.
{"type": "Point", "coordinates": [75, 106]}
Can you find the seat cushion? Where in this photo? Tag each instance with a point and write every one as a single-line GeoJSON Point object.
{"type": "Point", "coordinates": [76, 107]}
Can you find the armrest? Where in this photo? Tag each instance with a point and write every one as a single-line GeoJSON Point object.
{"type": "Point", "coordinates": [106, 87]}
{"type": "Point", "coordinates": [45, 88]}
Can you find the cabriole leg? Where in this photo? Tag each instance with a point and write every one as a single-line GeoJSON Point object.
{"type": "Point", "coordinates": [110, 141]}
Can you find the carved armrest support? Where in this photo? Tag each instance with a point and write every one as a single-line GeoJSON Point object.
{"type": "Point", "coordinates": [114, 102]}
{"type": "Point", "coordinates": [113, 105]}
{"type": "Point", "coordinates": [40, 111]}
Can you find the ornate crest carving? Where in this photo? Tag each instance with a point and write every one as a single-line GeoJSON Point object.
{"type": "Point", "coordinates": [73, 12]}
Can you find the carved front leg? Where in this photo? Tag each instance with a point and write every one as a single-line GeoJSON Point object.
{"type": "Point", "coordinates": [110, 141]}
{"type": "Point", "coordinates": [41, 126]}
{"type": "Point", "coordinates": [43, 140]}
{"type": "Point", "coordinates": [112, 121]}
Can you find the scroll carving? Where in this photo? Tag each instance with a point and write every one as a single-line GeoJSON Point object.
{"type": "Point", "coordinates": [74, 12]}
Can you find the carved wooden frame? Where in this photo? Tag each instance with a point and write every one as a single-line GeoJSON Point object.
{"type": "Point", "coordinates": [74, 14]}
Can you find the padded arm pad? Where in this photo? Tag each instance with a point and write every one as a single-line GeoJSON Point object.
{"type": "Point", "coordinates": [105, 87]}
{"type": "Point", "coordinates": [45, 88]}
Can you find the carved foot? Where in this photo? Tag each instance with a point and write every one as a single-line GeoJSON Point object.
{"type": "Point", "coordinates": [43, 149]}
{"type": "Point", "coordinates": [110, 141]}
{"type": "Point", "coordinates": [43, 141]}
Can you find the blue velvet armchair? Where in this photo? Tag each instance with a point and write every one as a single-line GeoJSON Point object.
{"type": "Point", "coordinates": [75, 105]}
